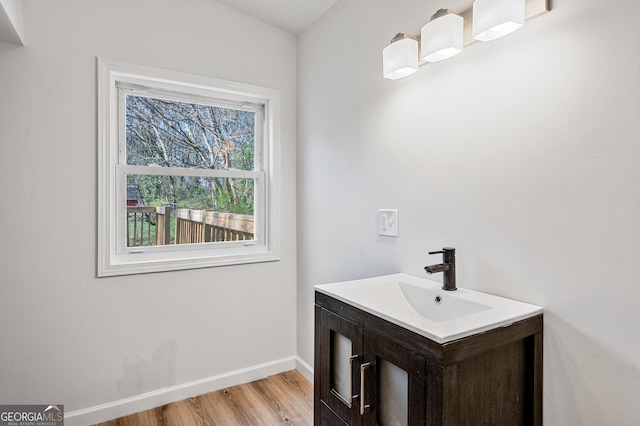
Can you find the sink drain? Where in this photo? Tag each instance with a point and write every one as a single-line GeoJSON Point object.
{"type": "Point", "coordinates": [438, 299]}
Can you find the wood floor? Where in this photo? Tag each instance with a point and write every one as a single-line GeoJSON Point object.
{"type": "Point", "coordinates": [282, 399]}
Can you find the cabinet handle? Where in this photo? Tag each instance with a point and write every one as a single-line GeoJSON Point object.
{"type": "Point", "coordinates": [363, 408]}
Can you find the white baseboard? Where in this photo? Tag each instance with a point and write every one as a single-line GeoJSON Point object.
{"type": "Point", "coordinates": [305, 369]}
{"type": "Point", "coordinates": [157, 398]}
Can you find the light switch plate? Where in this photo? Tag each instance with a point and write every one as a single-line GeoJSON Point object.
{"type": "Point", "coordinates": [388, 222]}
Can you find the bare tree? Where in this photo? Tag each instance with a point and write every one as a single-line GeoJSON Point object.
{"type": "Point", "coordinates": [179, 134]}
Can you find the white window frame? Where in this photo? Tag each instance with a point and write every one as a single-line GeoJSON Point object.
{"type": "Point", "coordinates": [115, 80]}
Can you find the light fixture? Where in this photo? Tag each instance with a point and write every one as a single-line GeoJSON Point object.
{"type": "Point", "coordinates": [493, 19]}
{"type": "Point", "coordinates": [442, 37]}
{"type": "Point", "coordinates": [446, 34]}
{"type": "Point", "coordinates": [400, 58]}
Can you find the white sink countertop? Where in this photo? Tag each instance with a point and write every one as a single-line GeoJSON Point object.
{"type": "Point", "coordinates": [420, 305]}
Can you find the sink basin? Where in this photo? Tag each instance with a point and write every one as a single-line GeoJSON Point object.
{"type": "Point", "coordinates": [437, 305]}
{"type": "Point", "coordinates": [421, 305]}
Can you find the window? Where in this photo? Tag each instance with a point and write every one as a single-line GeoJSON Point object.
{"type": "Point", "coordinates": [188, 171]}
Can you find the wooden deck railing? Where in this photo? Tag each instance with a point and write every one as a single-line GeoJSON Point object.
{"type": "Point", "coordinates": [148, 226]}
{"type": "Point", "coordinates": [204, 226]}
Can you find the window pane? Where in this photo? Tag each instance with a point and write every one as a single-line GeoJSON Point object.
{"type": "Point", "coordinates": [179, 134]}
{"type": "Point", "coordinates": [394, 395]}
{"type": "Point", "coordinates": [165, 210]}
{"type": "Point", "coordinates": [340, 362]}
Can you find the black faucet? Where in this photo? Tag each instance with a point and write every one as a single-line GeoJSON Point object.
{"type": "Point", "coordinates": [447, 267]}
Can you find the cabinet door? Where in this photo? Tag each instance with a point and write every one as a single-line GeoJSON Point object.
{"type": "Point", "coordinates": [340, 345]}
{"type": "Point", "coordinates": [394, 382]}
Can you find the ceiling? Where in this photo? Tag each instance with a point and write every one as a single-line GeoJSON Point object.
{"type": "Point", "coordinates": [293, 16]}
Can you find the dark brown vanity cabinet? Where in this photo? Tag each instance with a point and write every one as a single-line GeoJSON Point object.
{"type": "Point", "coordinates": [369, 371]}
{"type": "Point", "coordinates": [360, 365]}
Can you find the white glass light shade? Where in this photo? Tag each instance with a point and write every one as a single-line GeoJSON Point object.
{"type": "Point", "coordinates": [493, 19]}
{"type": "Point", "coordinates": [442, 38]}
{"type": "Point", "coordinates": [400, 58]}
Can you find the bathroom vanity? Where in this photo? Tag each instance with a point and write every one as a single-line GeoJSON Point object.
{"type": "Point", "coordinates": [398, 350]}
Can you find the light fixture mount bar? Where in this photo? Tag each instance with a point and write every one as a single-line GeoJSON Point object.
{"type": "Point", "coordinates": [402, 36]}
{"type": "Point", "coordinates": [439, 13]}
{"type": "Point", "coordinates": [535, 8]}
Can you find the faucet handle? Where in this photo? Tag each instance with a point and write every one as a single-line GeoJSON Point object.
{"type": "Point", "coordinates": [444, 250]}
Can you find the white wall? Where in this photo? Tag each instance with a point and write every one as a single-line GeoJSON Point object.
{"type": "Point", "coordinates": [522, 153]}
{"type": "Point", "coordinates": [65, 336]}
